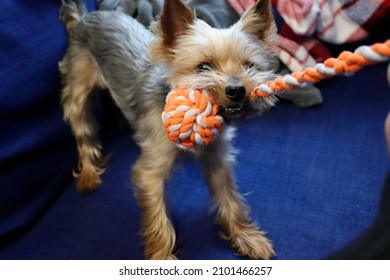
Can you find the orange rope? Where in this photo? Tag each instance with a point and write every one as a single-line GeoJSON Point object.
{"type": "Point", "coordinates": [346, 62]}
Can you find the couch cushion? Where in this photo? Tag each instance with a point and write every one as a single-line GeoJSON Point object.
{"type": "Point", "coordinates": [313, 177]}
{"type": "Point", "coordinates": [37, 152]}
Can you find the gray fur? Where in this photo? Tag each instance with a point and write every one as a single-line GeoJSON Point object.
{"type": "Point", "coordinates": [217, 13]}
{"type": "Point", "coordinates": [119, 44]}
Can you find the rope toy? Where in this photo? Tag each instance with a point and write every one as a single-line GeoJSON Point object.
{"type": "Point", "coordinates": [190, 116]}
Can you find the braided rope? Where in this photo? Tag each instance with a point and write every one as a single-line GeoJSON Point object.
{"type": "Point", "coordinates": [190, 116]}
{"type": "Point", "coordinates": [346, 63]}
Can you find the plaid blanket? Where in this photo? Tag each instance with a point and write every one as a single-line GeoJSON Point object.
{"type": "Point", "coordinates": [307, 24]}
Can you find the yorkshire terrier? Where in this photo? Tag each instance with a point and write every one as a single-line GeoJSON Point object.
{"type": "Point", "coordinates": [111, 50]}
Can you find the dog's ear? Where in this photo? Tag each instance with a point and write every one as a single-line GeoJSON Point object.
{"type": "Point", "coordinates": [258, 20]}
{"type": "Point", "coordinates": [175, 19]}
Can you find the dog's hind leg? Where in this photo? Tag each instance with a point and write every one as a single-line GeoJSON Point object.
{"type": "Point", "coordinates": [81, 75]}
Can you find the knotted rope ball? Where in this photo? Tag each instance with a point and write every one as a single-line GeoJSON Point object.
{"type": "Point", "coordinates": [190, 116]}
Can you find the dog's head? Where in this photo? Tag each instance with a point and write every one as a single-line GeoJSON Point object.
{"type": "Point", "coordinates": [228, 63]}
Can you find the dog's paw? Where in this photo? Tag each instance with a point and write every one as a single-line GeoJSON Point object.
{"type": "Point", "coordinates": [88, 179]}
{"type": "Point", "coordinates": [251, 242]}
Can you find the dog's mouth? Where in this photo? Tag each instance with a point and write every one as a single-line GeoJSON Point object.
{"type": "Point", "coordinates": [233, 112]}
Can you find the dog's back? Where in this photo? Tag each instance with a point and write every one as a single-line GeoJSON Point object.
{"type": "Point", "coordinates": [118, 45]}
{"type": "Point", "coordinates": [107, 49]}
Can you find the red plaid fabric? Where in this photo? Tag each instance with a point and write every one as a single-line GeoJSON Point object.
{"type": "Point", "coordinates": [240, 5]}
{"type": "Point", "coordinates": [309, 23]}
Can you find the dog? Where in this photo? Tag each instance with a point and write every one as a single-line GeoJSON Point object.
{"type": "Point", "coordinates": [139, 66]}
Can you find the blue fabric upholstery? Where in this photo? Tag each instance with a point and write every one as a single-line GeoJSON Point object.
{"type": "Point", "coordinates": [313, 177]}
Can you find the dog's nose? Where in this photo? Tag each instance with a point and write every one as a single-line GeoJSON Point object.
{"type": "Point", "coordinates": [235, 92]}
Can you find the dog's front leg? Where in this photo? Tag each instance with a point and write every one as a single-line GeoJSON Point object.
{"type": "Point", "coordinates": [232, 214]}
{"type": "Point", "coordinates": [149, 176]}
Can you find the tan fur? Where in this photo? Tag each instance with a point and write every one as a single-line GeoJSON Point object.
{"type": "Point", "coordinates": [174, 21]}
{"type": "Point", "coordinates": [149, 175]}
{"type": "Point", "coordinates": [71, 13]}
{"type": "Point", "coordinates": [259, 22]}
{"type": "Point", "coordinates": [181, 43]}
{"type": "Point", "coordinates": [81, 76]}
{"type": "Point", "coordinates": [233, 212]}
{"type": "Point", "coordinates": [228, 50]}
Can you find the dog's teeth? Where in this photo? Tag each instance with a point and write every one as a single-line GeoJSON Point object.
{"type": "Point", "coordinates": [234, 109]}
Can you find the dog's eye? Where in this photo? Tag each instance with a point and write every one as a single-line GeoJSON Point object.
{"type": "Point", "coordinates": [250, 65]}
{"type": "Point", "coordinates": [205, 66]}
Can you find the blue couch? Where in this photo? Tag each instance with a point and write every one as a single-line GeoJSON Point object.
{"type": "Point", "coordinates": [313, 177]}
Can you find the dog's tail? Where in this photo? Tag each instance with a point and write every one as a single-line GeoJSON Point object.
{"type": "Point", "coordinates": [71, 13]}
